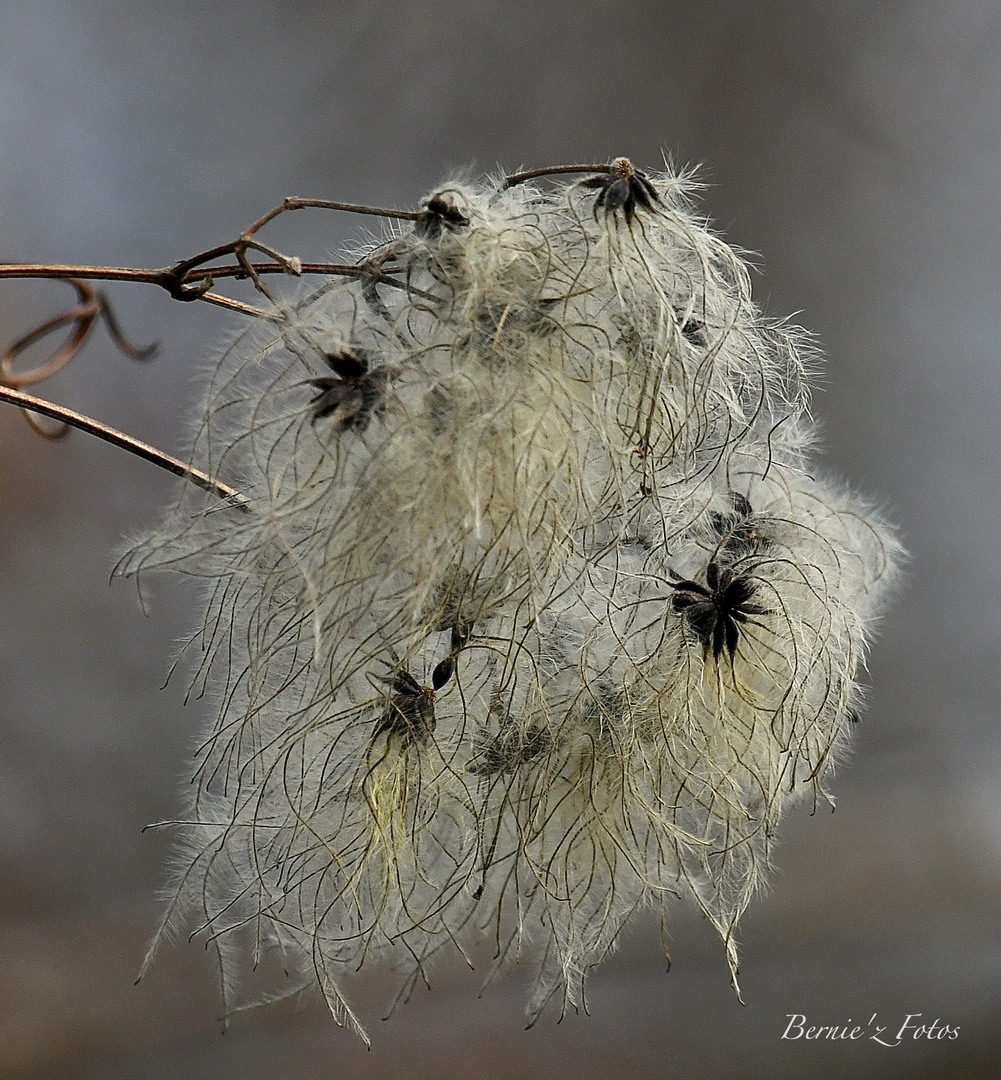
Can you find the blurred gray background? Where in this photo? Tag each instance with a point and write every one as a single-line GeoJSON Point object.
{"type": "Point", "coordinates": [855, 147]}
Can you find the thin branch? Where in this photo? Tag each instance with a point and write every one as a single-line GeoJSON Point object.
{"type": "Point", "coordinates": [295, 202]}
{"type": "Point", "coordinates": [206, 276]}
{"type": "Point", "coordinates": [163, 276]}
{"type": "Point", "coordinates": [125, 442]}
{"type": "Point", "coordinates": [188, 280]}
{"type": "Point", "coordinates": [179, 277]}
{"type": "Point", "coordinates": [556, 170]}
{"type": "Point", "coordinates": [191, 279]}
{"type": "Point", "coordinates": [195, 279]}
{"type": "Point", "coordinates": [230, 304]}
{"type": "Point", "coordinates": [331, 269]}
{"type": "Point", "coordinates": [89, 273]}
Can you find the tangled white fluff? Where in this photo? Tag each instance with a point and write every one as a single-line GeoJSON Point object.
{"type": "Point", "coordinates": [540, 614]}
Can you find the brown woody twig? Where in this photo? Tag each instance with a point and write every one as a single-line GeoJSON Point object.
{"type": "Point", "coordinates": [126, 442]}
{"type": "Point", "coordinates": [187, 280]}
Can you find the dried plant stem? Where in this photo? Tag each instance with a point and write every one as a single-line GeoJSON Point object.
{"type": "Point", "coordinates": [555, 170]}
{"type": "Point", "coordinates": [90, 273]}
{"type": "Point", "coordinates": [166, 277]}
{"type": "Point", "coordinates": [295, 202]}
{"type": "Point", "coordinates": [125, 442]}
{"type": "Point", "coordinates": [190, 279]}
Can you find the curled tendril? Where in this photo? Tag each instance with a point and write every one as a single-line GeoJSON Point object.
{"type": "Point", "coordinates": [93, 307]}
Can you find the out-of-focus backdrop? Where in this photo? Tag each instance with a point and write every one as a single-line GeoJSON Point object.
{"type": "Point", "coordinates": [856, 148]}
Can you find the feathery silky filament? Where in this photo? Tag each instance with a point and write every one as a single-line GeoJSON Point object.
{"type": "Point", "coordinates": [540, 615]}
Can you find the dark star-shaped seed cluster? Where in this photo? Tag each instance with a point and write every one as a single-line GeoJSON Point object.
{"type": "Point", "coordinates": [439, 214]}
{"type": "Point", "coordinates": [624, 188]}
{"type": "Point", "coordinates": [714, 612]}
{"type": "Point", "coordinates": [356, 392]}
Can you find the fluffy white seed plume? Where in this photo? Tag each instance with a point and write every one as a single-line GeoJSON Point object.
{"type": "Point", "coordinates": [539, 615]}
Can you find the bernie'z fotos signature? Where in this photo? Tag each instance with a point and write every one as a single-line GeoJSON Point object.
{"type": "Point", "coordinates": [885, 1035]}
